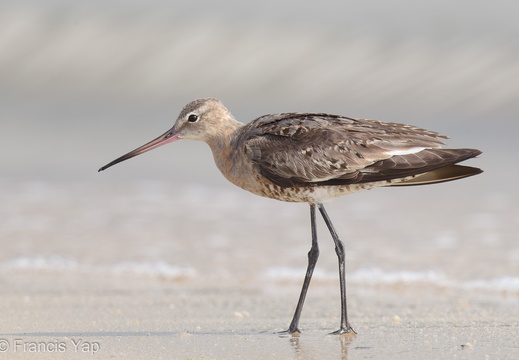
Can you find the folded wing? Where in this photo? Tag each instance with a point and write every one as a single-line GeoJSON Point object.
{"type": "Point", "coordinates": [299, 149]}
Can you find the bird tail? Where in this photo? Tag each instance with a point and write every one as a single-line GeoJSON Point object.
{"type": "Point", "coordinates": [448, 173]}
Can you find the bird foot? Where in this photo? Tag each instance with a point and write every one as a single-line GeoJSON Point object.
{"type": "Point", "coordinates": [346, 330]}
{"type": "Point", "coordinates": [293, 332]}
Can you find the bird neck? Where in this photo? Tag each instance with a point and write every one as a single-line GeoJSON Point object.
{"type": "Point", "coordinates": [221, 141]}
{"type": "Point", "coordinates": [223, 152]}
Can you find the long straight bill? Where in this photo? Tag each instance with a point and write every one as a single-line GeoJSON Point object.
{"type": "Point", "coordinates": [163, 139]}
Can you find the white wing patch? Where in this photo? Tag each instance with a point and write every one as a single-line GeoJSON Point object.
{"type": "Point", "coordinates": [413, 150]}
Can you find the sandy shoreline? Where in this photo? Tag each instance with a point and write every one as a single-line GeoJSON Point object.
{"type": "Point", "coordinates": [145, 270]}
{"type": "Point", "coordinates": [98, 318]}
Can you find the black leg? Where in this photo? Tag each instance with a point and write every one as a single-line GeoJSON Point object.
{"type": "Point", "coordinates": [313, 255]}
{"type": "Point", "coordinates": [339, 250]}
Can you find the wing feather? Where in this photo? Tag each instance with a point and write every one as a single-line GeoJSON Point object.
{"type": "Point", "coordinates": [293, 148]}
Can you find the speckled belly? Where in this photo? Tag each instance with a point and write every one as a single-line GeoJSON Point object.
{"type": "Point", "coordinates": [246, 176]}
{"type": "Point", "coordinates": [311, 193]}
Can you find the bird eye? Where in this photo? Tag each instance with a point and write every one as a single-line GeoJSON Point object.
{"type": "Point", "coordinates": [192, 118]}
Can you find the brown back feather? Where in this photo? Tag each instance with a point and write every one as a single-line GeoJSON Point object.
{"type": "Point", "coordinates": [300, 149]}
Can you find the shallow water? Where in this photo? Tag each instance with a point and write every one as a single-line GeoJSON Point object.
{"type": "Point", "coordinates": [151, 229]}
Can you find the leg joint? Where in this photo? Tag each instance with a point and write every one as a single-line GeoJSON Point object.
{"type": "Point", "coordinates": [313, 253]}
{"type": "Point", "coordinates": [339, 249]}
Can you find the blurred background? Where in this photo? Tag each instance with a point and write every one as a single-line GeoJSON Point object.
{"type": "Point", "coordinates": [82, 83]}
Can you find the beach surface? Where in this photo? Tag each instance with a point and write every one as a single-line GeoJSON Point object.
{"type": "Point", "coordinates": [103, 271]}
{"type": "Point", "coordinates": [189, 320]}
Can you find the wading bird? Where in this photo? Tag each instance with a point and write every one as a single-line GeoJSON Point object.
{"type": "Point", "coordinates": [309, 158]}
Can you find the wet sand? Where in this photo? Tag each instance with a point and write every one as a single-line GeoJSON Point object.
{"type": "Point", "coordinates": [127, 318]}
{"type": "Point", "coordinates": [100, 272]}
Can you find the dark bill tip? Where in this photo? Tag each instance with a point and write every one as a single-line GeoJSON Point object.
{"type": "Point", "coordinates": [165, 138]}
